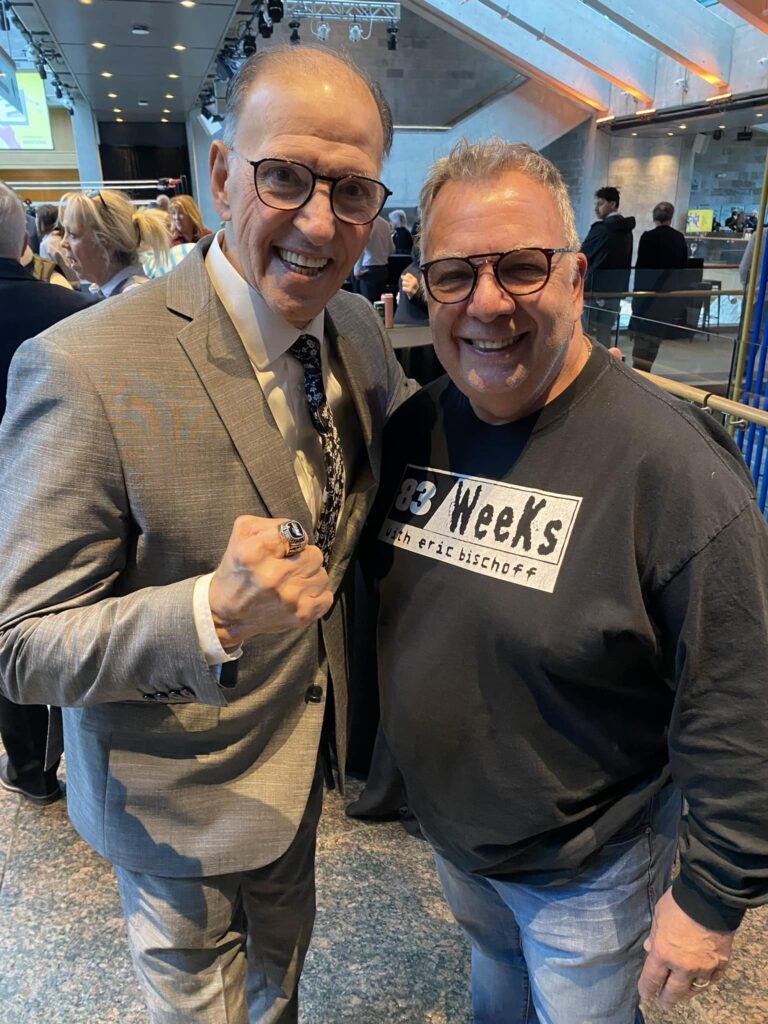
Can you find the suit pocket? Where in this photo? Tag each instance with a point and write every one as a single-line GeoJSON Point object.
{"type": "Point", "coordinates": [142, 721]}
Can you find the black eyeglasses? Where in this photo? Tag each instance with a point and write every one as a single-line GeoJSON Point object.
{"type": "Point", "coordinates": [96, 194]}
{"type": "Point", "coordinates": [287, 185]}
{"type": "Point", "coordinates": [518, 272]}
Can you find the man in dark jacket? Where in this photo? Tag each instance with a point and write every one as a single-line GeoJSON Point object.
{"type": "Point", "coordinates": [608, 248]}
{"type": "Point", "coordinates": [29, 307]}
{"type": "Point", "coordinates": [662, 253]}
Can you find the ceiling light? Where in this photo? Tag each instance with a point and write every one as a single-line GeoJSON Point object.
{"type": "Point", "coordinates": [86, 3]}
{"type": "Point", "coordinates": [143, 103]}
{"type": "Point", "coordinates": [179, 46]}
{"type": "Point", "coordinates": [119, 120]}
{"type": "Point", "coordinates": [670, 133]}
{"type": "Point", "coordinates": [720, 98]}
{"type": "Point", "coordinates": [634, 133]}
{"type": "Point", "coordinates": [391, 36]}
{"type": "Point", "coordinates": [294, 26]}
{"type": "Point", "coordinates": [140, 30]}
{"type": "Point", "coordinates": [682, 126]}
{"type": "Point", "coordinates": [249, 44]}
{"type": "Point", "coordinates": [164, 120]}
{"type": "Point", "coordinates": [758, 115]}
{"type": "Point", "coordinates": [187, 3]}
{"type": "Point", "coordinates": [112, 95]}
{"type": "Point", "coordinates": [605, 120]}
{"type": "Point", "coordinates": [721, 127]}
{"type": "Point", "coordinates": [169, 96]}
{"type": "Point", "coordinates": [322, 31]}
{"type": "Point", "coordinates": [106, 74]}
{"type": "Point", "coordinates": [98, 46]}
{"type": "Point", "coordinates": [172, 75]}
{"type": "Point", "coordinates": [648, 110]}
{"type": "Point", "coordinates": [166, 110]}
{"type": "Point", "coordinates": [117, 110]}
{"type": "Point", "coordinates": [355, 33]}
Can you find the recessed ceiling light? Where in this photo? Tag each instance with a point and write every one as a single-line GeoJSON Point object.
{"type": "Point", "coordinates": [682, 126]}
{"type": "Point", "coordinates": [106, 74]}
{"type": "Point", "coordinates": [112, 95]}
{"type": "Point", "coordinates": [187, 3]}
{"type": "Point", "coordinates": [758, 115]}
{"type": "Point", "coordinates": [166, 110]}
{"type": "Point", "coordinates": [140, 30]}
{"type": "Point", "coordinates": [670, 133]}
{"type": "Point", "coordinates": [164, 120]}
{"type": "Point", "coordinates": [98, 46]}
{"type": "Point", "coordinates": [172, 75]}
{"type": "Point", "coordinates": [119, 120]}
{"type": "Point", "coordinates": [179, 47]}
{"type": "Point", "coordinates": [143, 103]}
{"type": "Point", "coordinates": [170, 96]}
{"type": "Point", "coordinates": [634, 133]}
{"type": "Point", "coordinates": [721, 127]}
{"type": "Point", "coordinates": [117, 110]}
{"type": "Point", "coordinates": [86, 3]}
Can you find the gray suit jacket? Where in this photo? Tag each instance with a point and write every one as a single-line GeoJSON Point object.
{"type": "Point", "coordinates": [136, 432]}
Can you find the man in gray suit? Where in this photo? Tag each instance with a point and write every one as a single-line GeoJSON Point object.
{"type": "Point", "coordinates": [195, 659]}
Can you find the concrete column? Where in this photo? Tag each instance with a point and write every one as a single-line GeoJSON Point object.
{"type": "Point", "coordinates": [86, 135]}
{"type": "Point", "coordinates": [199, 145]}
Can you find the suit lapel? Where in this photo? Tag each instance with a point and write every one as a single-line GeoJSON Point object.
{"type": "Point", "coordinates": [220, 360]}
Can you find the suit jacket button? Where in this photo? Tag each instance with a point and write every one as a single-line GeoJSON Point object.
{"type": "Point", "coordinates": [314, 695]}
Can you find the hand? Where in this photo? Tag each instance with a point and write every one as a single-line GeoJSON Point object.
{"type": "Point", "coordinates": [410, 284]}
{"type": "Point", "coordinates": [257, 589]}
{"type": "Point", "coordinates": [361, 272]}
{"type": "Point", "coordinates": [680, 951]}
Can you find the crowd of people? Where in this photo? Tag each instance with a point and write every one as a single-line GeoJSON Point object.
{"type": "Point", "coordinates": [560, 557]}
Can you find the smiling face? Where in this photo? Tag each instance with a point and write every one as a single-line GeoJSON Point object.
{"type": "Point", "coordinates": [508, 355]}
{"type": "Point", "coordinates": [297, 259]}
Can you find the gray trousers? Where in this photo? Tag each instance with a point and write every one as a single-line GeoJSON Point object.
{"type": "Point", "coordinates": [225, 949]}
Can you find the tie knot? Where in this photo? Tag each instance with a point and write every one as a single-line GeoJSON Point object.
{"type": "Point", "coordinates": [306, 349]}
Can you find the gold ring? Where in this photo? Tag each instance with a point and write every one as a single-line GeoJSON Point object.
{"type": "Point", "coordinates": [293, 536]}
{"type": "Point", "coordinates": [700, 982]}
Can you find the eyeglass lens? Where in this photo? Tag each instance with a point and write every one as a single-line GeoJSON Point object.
{"type": "Point", "coordinates": [285, 186]}
{"type": "Point", "coordinates": [520, 273]}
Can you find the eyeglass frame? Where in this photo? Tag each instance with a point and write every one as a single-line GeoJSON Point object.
{"type": "Point", "coordinates": [95, 193]}
{"type": "Point", "coordinates": [315, 178]}
{"type": "Point", "coordinates": [487, 257]}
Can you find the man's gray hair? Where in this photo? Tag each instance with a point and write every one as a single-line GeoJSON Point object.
{"type": "Point", "coordinates": [290, 60]}
{"type": "Point", "coordinates": [663, 213]}
{"type": "Point", "coordinates": [487, 159]}
{"type": "Point", "coordinates": [13, 223]}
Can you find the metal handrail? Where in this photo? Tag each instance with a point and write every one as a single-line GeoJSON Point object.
{"type": "Point", "coordinates": [711, 292]}
{"type": "Point", "coordinates": [736, 410]}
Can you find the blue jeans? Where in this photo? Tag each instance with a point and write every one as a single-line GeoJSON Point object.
{"type": "Point", "coordinates": [572, 952]}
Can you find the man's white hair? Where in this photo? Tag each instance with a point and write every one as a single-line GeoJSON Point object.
{"type": "Point", "coordinates": [13, 223]}
{"type": "Point", "coordinates": [489, 158]}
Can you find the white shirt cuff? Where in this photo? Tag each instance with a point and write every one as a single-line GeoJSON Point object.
{"type": "Point", "coordinates": [207, 637]}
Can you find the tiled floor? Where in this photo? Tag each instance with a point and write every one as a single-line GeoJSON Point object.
{"type": "Point", "coordinates": [385, 949]}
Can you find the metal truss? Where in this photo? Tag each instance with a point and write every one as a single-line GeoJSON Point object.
{"type": "Point", "coordinates": [341, 10]}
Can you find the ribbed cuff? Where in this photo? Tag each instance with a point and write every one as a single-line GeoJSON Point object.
{"type": "Point", "coordinates": [716, 916]}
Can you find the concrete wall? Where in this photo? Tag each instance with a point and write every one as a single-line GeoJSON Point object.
{"type": "Point", "coordinates": [532, 114]}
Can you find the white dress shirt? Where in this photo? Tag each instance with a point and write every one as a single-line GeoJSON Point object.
{"type": "Point", "coordinates": [266, 338]}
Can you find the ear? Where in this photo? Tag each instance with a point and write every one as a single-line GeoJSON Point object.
{"type": "Point", "coordinates": [218, 166]}
{"type": "Point", "coordinates": [579, 270]}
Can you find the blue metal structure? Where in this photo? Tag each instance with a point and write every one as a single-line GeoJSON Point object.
{"type": "Point", "coordinates": [752, 440]}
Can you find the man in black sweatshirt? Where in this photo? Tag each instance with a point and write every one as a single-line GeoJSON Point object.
{"type": "Point", "coordinates": [573, 626]}
{"type": "Point", "coordinates": [608, 248]}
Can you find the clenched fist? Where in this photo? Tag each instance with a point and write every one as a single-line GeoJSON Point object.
{"type": "Point", "coordinates": [259, 589]}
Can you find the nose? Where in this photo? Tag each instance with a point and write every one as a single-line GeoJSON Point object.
{"type": "Point", "coordinates": [489, 300]}
{"type": "Point", "coordinates": [316, 219]}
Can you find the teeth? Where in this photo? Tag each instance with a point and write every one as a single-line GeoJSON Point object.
{"type": "Point", "coordinates": [492, 345]}
{"type": "Point", "coordinates": [298, 260]}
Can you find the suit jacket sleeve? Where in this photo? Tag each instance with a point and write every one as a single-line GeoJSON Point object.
{"type": "Point", "coordinates": [67, 635]}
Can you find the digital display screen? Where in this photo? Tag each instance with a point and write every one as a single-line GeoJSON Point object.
{"type": "Point", "coordinates": [698, 221]}
{"type": "Point", "coordinates": [30, 127]}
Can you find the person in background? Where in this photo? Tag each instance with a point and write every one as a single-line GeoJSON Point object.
{"type": "Point", "coordinates": [608, 248]}
{"type": "Point", "coordinates": [572, 578]}
{"type": "Point", "coordinates": [187, 221]}
{"type": "Point", "coordinates": [102, 236]}
{"type": "Point", "coordinates": [45, 270]}
{"type": "Point", "coordinates": [49, 231]}
{"type": "Point", "coordinates": [411, 298]}
{"type": "Point", "coordinates": [402, 239]}
{"type": "Point", "coordinates": [662, 252]}
{"type": "Point", "coordinates": [163, 202]}
{"type": "Point", "coordinates": [33, 239]}
{"type": "Point", "coordinates": [29, 306]}
{"type": "Point", "coordinates": [371, 269]}
{"type": "Point", "coordinates": [154, 262]}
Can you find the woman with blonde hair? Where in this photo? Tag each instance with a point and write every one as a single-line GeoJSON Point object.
{"type": "Point", "coordinates": [103, 233]}
{"type": "Point", "coordinates": [187, 221]}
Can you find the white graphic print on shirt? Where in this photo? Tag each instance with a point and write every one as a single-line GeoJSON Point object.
{"type": "Point", "coordinates": [496, 529]}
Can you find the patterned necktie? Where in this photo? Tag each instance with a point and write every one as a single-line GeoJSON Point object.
{"type": "Point", "coordinates": [307, 350]}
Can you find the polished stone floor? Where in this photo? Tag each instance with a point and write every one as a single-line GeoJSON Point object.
{"type": "Point", "coordinates": [385, 951]}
